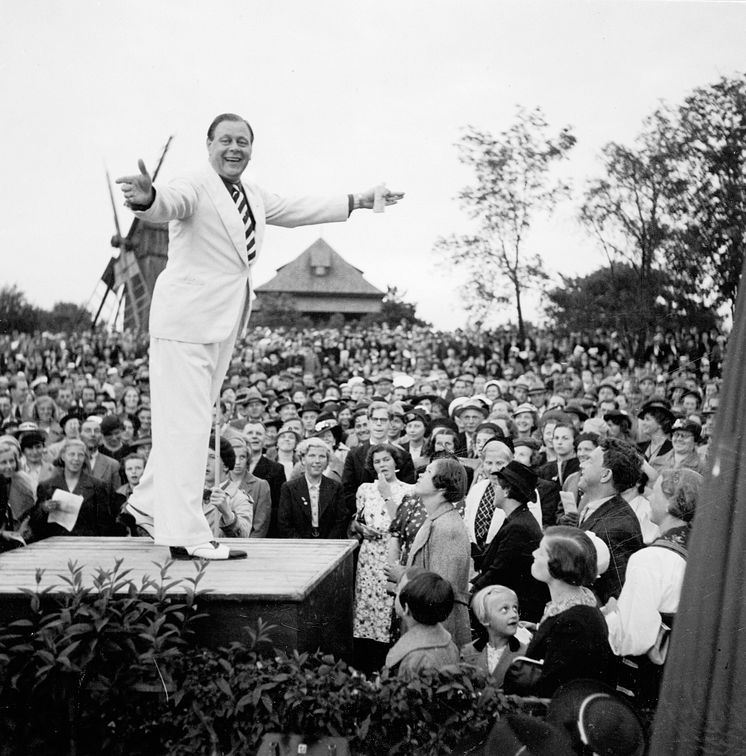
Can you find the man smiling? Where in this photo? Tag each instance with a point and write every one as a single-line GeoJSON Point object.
{"type": "Point", "coordinates": [200, 305]}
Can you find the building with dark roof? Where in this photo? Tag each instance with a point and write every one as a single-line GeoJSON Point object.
{"type": "Point", "coordinates": [321, 283]}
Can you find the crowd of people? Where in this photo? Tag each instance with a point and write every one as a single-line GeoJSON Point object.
{"type": "Point", "coordinates": [524, 505]}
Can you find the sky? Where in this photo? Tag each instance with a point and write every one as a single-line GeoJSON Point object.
{"type": "Point", "coordinates": [341, 96]}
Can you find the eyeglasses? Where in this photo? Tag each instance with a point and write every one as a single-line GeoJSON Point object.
{"type": "Point", "coordinates": [379, 419]}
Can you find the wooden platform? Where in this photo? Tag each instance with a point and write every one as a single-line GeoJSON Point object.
{"type": "Point", "coordinates": [305, 587]}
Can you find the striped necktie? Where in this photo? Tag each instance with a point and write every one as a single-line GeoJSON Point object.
{"type": "Point", "coordinates": [248, 221]}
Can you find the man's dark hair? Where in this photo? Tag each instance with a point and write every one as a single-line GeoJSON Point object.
{"type": "Point", "coordinates": [228, 117]}
{"type": "Point", "coordinates": [429, 598]}
{"type": "Point", "coordinates": [623, 460]}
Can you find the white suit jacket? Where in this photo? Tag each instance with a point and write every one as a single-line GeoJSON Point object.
{"type": "Point", "coordinates": [200, 295]}
{"type": "Point", "coordinates": [498, 517]}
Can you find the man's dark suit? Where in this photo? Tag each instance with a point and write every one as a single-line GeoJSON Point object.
{"type": "Point", "coordinates": [354, 473]}
{"type": "Point", "coordinates": [549, 471]}
{"type": "Point", "coordinates": [507, 561]}
{"type": "Point", "coordinates": [294, 516]}
{"type": "Point", "coordinates": [617, 526]}
{"type": "Point", "coordinates": [274, 474]}
{"type": "Point", "coordinates": [94, 518]}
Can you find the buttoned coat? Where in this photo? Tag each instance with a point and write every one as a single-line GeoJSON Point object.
{"type": "Point", "coordinates": [206, 287]}
{"type": "Point", "coordinates": [507, 561]}
{"type": "Point", "coordinates": [94, 518]}
{"type": "Point", "coordinates": [294, 516]}
{"type": "Point", "coordinates": [442, 546]}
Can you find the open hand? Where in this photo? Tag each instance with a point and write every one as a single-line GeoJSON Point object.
{"type": "Point", "coordinates": [366, 199]}
{"type": "Point", "coordinates": [137, 189]}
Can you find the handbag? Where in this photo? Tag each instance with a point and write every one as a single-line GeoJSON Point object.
{"type": "Point", "coordinates": [523, 674]}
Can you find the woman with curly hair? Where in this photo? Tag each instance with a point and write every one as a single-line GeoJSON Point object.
{"type": "Point", "coordinates": [377, 505]}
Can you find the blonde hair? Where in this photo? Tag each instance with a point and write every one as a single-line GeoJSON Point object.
{"type": "Point", "coordinates": [309, 443]}
{"type": "Point", "coordinates": [481, 599]}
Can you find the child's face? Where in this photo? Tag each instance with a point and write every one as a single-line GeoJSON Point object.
{"type": "Point", "coordinates": [503, 614]}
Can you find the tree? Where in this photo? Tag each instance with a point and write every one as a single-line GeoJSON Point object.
{"type": "Point", "coordinates": [627, 210]}
{"type": "Point", "coordinates": [64, 316]}
{"type": "Point", "coordinates": [16, 313]}
{"type": "Point", "coordinates": [609, 298]}
{"type": "Point", "coordinates": [395, 311]}
{"type": "Point", "coordinates": [513, 184]}
{"type": "Point", "coordinates": [279, 310]}
{"type": "Point", "coordinates": [708, 141]}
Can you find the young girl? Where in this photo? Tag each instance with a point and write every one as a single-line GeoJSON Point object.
{"type": "Point", "coordinates": [496, 608]}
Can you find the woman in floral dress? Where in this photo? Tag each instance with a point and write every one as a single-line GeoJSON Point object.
{"type": "Point", "coordinates": [377, 504]}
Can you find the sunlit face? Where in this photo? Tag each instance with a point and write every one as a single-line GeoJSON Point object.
{"type": "Point", "coordinates": [379, 424]}
{"type": "Point", "coordinates": [482, 438]}
{"type": "Point", "coordinates": [90, 433]}
{"type": "Point", "coordinates": [523, 454]}
{"type": "Point", "coordinates": [444, 442]}
{"type": "Point", "coordinates": [361, 428]}
{"type": "Point", "coordinates": [690, 404]}
{"type": "Point", "coordinates": [210, 468]}
{"type": "Point", "coordinates": [496, 456]}
{"type": "Point", "coordinates": [254, 434]}
{"type": "Point", "coordinates": [415, 431]}
{"type": "Point", "coordinates": [592, 470]}
{"type": "Point", "coordinates": [74, 458]}
{"type": "Point", "coordinates": [286, 441]}
{"type": "Point", "coordinates": [45, 411]}
{"type": "Point", "coordinates": [424, 485]}
{"type": "Point", "coordinates": [548, 434]}
{"type": "Point", "coordinates": [501, 410]}
{"type": "Point", "coordinates": [34, 453]}
{"type": "Point", "coordinates": [563, 441]}
{"type": "Point", "coordinates": [683, 442]}
{"type": "Point", "coordinates": [242, 458]}
{"type": "Point", "coordinates": [649, 425]}
{"type": "Point", "coordinates": [502, 614]}
{"type": "Point", "coordinates": [133, 470]}
{"type": "Point", "coordinates": [492, 391]}
{"type": "Point", "coordinates": [658, 503]}
{"type": "Point", "coordinates": [315, 461]}
{"type": "Point", "coordinates": [524, 422]}
{"type": "Point", "coordinates": [383, 463]}
{"type": "Point", "coordinates": [72, 428]}
{"type": "Point", "coordinates": [229, 151]}
{"type": "Point", "coordinates": [471, 419]}
{"type": "Point", "coordinates": [396, 426]}
{"type": "Point", "coordinates": [540, 566]}
{"type": "Point", "coordinates": [585, 449]}
{"type": "Point", "coordinates": [7, 463]}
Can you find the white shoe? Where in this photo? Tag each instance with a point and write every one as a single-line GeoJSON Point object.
{"type": "Point", "coordinates": [210, 550]}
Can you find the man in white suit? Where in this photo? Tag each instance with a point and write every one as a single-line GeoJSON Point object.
{"type": "Point", "coordinates": [201, 304]}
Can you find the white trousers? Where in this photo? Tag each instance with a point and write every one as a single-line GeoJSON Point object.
{"type": "Point", "coordinates": [185, 381]}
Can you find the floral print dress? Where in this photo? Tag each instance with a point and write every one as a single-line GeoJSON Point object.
{"type": "Point", "coordinates": [373, 606]}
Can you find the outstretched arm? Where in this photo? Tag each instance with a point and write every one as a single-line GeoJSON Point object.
{"type": "Point", "coordinates": [137, 189]}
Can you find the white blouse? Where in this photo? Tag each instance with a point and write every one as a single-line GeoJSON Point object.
{"type": "Point", "coordinates": [652, 585]}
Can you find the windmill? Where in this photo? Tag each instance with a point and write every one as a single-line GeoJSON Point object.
{"type": "Point", "coordinates": [131, 275]}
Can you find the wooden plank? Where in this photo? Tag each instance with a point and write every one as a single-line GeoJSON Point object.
{"type": "Point", "coordinates": [276, 568]}
{"type": "Point", "coordinates": [304, 588]}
